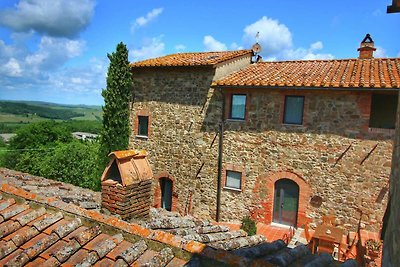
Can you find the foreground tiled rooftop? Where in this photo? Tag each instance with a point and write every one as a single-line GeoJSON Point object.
{"type": "Point", "coordinates": [46, 231]}
{"type": "Point", "coordinates": [342, 73]}
{"type": "Point", "coordinates": [191, 59]}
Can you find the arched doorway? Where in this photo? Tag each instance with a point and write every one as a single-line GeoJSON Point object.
{"type": "Point", "coordinates": [286, 202]}
{"type": "Point", "coordinates": [166, 193]}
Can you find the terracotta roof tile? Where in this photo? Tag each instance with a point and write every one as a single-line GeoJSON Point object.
{"type": "Point", "coordinates": [162, 258]}
{"type": "Point", "coordinates": [104, 263]}
{"type": "Point", "coordinates": [65, 252]}
{"type": "Point", "coordinates": [64, 230]}
{"type": "Point", "coordinates": [47, 220]}
{"type": "Point", "coordinates": [13, 210]}
{"type": "Point", "coordinates": [53, 249]}
{"type": "Point", "coordinates": [103, 248]}
{"type": "Point", "coordinates": [192, 59]}
{"type": "Point", "coordinates": [41, 245]}
{"type": "Point", "coordinates": [54, 240]}
{"type": "Point", "coordinates": [132, 253]}
{"type": "Point", "coordinates": [6, 203]}
{"type": "Point", "coordinates": [8, 227]}
{"type": "Point", "coordinates": [29, 215]}
{"type": "Point", "coordinates": [23, 235]}
{"type": "Point", "coordinates": [341, 73]}
{"type": "Point", "coordinates": [85, 236]}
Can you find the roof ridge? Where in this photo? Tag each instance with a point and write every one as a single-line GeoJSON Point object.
{"type": "Point", "coordinates": [326, 60]}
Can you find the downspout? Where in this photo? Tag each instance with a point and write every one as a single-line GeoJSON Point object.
{"type": "Point", "coordinates": [221, 140]}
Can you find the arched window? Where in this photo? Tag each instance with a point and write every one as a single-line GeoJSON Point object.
{"type": "Point", "coordinates": [286, 202]}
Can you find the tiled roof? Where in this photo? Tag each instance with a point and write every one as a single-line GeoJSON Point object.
{"type": "Point", "coordinates": [42, 231]}
{"type": "Point", "coordinates": [43, 238]}
{"type": "Point", "coordinates": [191, 59]}
{"type": "Point", "coordinates": [342, 73]}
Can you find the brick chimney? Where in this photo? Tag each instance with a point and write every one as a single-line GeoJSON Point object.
{"type": "Point", "coordinates": [126, 184]}
{"type": "Point", "coordinates": [366, 48]}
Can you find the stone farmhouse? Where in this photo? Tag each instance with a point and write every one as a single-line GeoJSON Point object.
{"type": "Point", "coordinates": [300, 139]}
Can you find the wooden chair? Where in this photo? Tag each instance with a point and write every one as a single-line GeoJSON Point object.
{"type": "Point", "coordinates": [348, 251]}
{"type": "Point", "coordinates": [307, 233]}
{"type": "Point", "coordinates": [326, 245]}
{"type": "Point", "coordinates": [329, 220]}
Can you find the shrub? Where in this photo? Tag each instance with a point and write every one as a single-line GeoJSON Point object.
{"type": "Point", "coordinates": [249, 225]}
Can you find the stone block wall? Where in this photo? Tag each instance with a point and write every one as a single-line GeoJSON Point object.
{"type": "Point", "coordinates": [182, 135]}
{"type": "Point", "coordinates": [129, 202]}
{"type": "Point", "coordinates": [333, 123]}
{"type": "Point", "coordinates": [185, 113]}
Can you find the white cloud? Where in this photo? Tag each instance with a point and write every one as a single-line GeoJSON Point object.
{"type": "Point", "coordinates": [276, 41]}
{"type": "Point", "coordinates": [273, 36]}
{"type": "Point", "coordinates": [57, 18]}
{"type": "Point", "coordinates": [144, 20]}
{"type": "Point", "coordinates": [398, 54]}
{"type": "Point", "coordinates": [53, 53]}
{"type": "Point", "coordinates": [11, 68]}
{"type": "Point", "coordinates": [210, 44]}
{"type": "Point", "coordinates": [306, 53]}
{"type": "Point", "coordinates": [380, 52]}
{"type": "Point", "coordinates": [151, 48]}
{"type": "Point", "coordinates": [235, 46]}
{"type": "Point", "coordinates": [180, 47]}
{"type": "Point", "coordinates": [316, 46]}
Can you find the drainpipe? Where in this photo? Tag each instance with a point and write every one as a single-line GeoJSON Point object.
{"type": "Point", "coordinates": [221, 139]}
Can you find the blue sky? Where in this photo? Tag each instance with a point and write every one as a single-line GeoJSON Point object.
{"type": "Point", "coordinates": [56, 50]}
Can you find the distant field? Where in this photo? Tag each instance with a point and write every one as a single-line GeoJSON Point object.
{"type": "Point", "coordinates": [15, 114]}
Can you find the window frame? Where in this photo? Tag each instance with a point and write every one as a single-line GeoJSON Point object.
{"type": "Point", "coordinates": [373, 120]}
{"type": "Point", "coordinates": [227, 177]}
{"type": "Point", "coordinates": [231, 106]}
{"type": "Point", "coordinates": [285, 108]}
{"type": "Point", "coordinates": [138, 126]}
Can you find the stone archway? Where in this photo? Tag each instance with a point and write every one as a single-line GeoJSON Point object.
{"type": "Point", "coordinates": [264, 196]}
{"type": "Point", "coordinates": [160, 179]}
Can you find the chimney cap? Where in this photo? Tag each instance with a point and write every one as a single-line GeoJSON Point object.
{"type": "Point", "coordinates": [367, 44]}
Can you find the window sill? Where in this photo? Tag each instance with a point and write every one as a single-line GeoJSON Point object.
{"type": "Point", "coordinates": [381, 130]}
{"type": "Point", "coordinates": [235, 120]}
{"type": "Point", "coordinates": [293, 124]}
{"type": "Point", "coordinates": [144, 137]}
{"type": "Point", "coordinates": [232, 189]}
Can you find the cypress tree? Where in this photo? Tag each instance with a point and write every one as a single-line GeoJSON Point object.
{"type": "Point", "coordinates": [115, 131]}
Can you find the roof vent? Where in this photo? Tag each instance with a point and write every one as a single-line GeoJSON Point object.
{"type": "Point", "coordinates": [366, 48]}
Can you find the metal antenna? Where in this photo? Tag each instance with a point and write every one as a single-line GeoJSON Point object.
{"type": "Point", "coordinates": [257, 36]}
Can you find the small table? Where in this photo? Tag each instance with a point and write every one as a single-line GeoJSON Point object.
{"type": "Point", "coordinates": [334, 237]}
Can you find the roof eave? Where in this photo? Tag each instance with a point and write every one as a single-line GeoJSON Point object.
{"type": "Point", "coordinates": [380, 89]}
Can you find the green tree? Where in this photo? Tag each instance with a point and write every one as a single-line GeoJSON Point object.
{"type": "Point", "coordinates": [36, 136]}
{"type": "Point", "coordinates": [115, 132]}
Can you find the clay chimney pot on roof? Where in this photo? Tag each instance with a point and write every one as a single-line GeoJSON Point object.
{"type": "Point", "coordinates": [366, 48]}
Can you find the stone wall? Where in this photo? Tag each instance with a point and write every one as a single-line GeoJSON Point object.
{"type": "Point", "coordinates": [183, 145]}
{"type": "Point", "coordinates": [181, 135]}
{"type": "Point", "coordinates": [333, 121]}
{"type": "Point", "coordinates": [391, 246]}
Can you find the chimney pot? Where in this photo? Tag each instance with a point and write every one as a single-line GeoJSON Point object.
{"type": "Point", "coordinates": [366, 48]}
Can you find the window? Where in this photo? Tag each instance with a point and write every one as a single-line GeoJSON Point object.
{"type": "Point", "coordinates": [233, 180]}
{"type": "Point", "coordinates": [383, 111]}
{"type": "Point", "coordinates": [293, 113]}
{"type": "Point", "coordinates": [143, 125]}
{"type": "Point", "coordinates": [238, 107]}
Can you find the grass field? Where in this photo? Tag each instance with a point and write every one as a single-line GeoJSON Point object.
{"type": "Point", "coordinates": [11, 120]}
